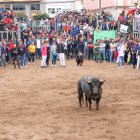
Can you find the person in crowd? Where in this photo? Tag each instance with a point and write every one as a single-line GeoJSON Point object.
{"type": "Point", "coordinates": [22, 54]}
{"type": "Point", "coordinates": [44, 54]}
{"type": "Point", "coordinates": [54, 54]}
{"type": "Point", "coordinates": [102, 49]}
{"type": "Point", "coordinates": [61, 53]}
{"type": "Point", "coordinates": [107, 49]}
{"type": "Point", "coordinates": [90, 49]}
{"type": "Point", "coordinates": [112, 49]}
{"type": "Point", "coordinates": [14, 52]}
{"type": "Point", "coordinates": [2, 55]}
{"type": "Point", "coordinates": [69, 47]}
{"type": "Point", "coordinates": [32, 51]}
{"type": "Point", "coordinates": [48, 52]}
{"type": "Point", "coordinates": [138, 56]}
{"type": "Point", "coordinates": [97, 52]}
{"type": "Point", "coordinates": [38, 47]}
{"type": "Point", "coordinates": [121, 51]}
{"type": "Point", "coordinates": [133, 57]}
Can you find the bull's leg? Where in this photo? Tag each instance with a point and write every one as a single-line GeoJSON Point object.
{"type": "Point", "coordinates": [86, 101]}
{"type": "Point", "coordinates": [97, 104]}
{"type": "Point", "coordinates": [80, 96]}
{"type": "Point", "coordinates": [89, 100]}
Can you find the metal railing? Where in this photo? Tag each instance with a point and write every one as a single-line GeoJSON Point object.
{"type": "Point", "coordinates": [8, 35]}
{"type": "Point", "coordinates": [136, 24]}
{"type": "Point", "coordinates": [136, 28]}
{"type": "Point", "coordinates": [40, 25]}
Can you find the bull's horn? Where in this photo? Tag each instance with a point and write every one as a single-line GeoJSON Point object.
{"type": "Point", "coordinates": [89, 81]}
{"type": "Point", "coordinates": [102, 81]}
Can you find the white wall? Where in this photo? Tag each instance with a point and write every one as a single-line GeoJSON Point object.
{"type": "Point", "coordinates": [78, 5]}
{"type": "Point", "coordinates": [63, 4]}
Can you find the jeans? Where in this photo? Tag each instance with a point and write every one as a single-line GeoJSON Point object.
{"type": "Point", "coordinates": [2, 60]}
{"type": "Point", "coordinates": [121, 60]}
{"type": "Point", "coordinates": [43, 62]}
{"type": "Point", "coordinates": [90, 53]}
{"type": "Point", "coordinates": [103, 54]}
{"type": "Point", "coordinates": [15, 58]}
{"type": "Point", "coordinates": [107, 52]}
{"type": "Point", "coordinates": [62, 59]}
{"type": "Point", "coordinates": [38, 53]}
{"type": "Point", "coordinates": [23, 60]}
{"type": "Point", "coordinates": [138, 62]}
{"type": "Point", "coordinates": [54, 57]}
{"type": "Point", "coordinates": [31, 57]}
{"type": "Point", "coordinates": [111, 56]}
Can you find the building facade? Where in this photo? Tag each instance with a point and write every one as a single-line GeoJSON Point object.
{"type": "Point", "coordinates": [23, 7]}
{"type": "Point", "coordinates": [114, 6]}
{"type": "Point", "coordinates": [34, 7]}
{"type": "Point", "coordinates": [53, 7]}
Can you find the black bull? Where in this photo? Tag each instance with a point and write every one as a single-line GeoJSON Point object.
{"type": "Point", "coordinates": [91, 88]}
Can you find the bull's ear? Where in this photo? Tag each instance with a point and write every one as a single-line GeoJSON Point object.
{"type": "Point", "coordinates": [102, 81]}
{"type": "Point", "coordinates": [89, 81]}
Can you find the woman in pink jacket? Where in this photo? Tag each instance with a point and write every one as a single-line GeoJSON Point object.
{"type": "Point", "coordinates": [44, 55]}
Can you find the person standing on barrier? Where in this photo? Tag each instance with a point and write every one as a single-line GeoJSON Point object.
{"type": "Point", "coordinates": [32, 51]}
{"type": "Point", "coordinates": [15, 54]}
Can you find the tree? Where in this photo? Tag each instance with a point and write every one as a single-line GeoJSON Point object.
{"type": "Point", "coordinates": [41, 16]}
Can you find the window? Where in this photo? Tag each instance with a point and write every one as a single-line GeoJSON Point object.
{"type": "Point", "coordinates": [8, 6]}
{"type": "Point", "coordinates": [58, 10]}
{"type": "Point", "coordinates": [51, 10]}
{"type": "Point", "coordinates": [15, 7]}
{"type": "Point", "coordinates": [21, 7]}
{"type": "Point", "coordinates": [18, 7]}
{"type": "Point", "coordinates": [35, 6]}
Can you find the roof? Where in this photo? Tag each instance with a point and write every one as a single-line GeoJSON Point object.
{"type": "Point", "coordinates": [8, 1]}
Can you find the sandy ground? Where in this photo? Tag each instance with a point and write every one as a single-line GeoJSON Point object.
{"type": "Point", "coordinates": [42, 104]}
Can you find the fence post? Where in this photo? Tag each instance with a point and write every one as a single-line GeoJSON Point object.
{"type": "Point", "coordinates": [18, 32]}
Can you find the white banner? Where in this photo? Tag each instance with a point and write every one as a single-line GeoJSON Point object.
{"type": "Point", "coordinates": [123, 28]}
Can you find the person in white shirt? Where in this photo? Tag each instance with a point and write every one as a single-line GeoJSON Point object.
{"type": "Point", "coordinates": [38, 50]}
{"type": "Point", "coordinates": [102, 49]}
{"type": "Point", "coordinates": [121, 51]}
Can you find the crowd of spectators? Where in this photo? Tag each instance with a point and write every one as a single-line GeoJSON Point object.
{"type": "Point", "coordinates": [86, 20]}
{"type": "Point", "coordinates": [7, 19]}
{"type": "Point", "coordinates": [72, 39]}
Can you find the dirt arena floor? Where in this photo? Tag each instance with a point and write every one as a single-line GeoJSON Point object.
{"type": "Point", "coordinates": [42, 104]}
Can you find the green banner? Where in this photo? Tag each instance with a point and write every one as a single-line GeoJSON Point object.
{"type": "Point", "coordinates": [104, 34]}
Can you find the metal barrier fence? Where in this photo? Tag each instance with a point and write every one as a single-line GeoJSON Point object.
{"type": "Point", "coordinates": [40, 25]}
{"type": "Point", "coordinates": [136, 28]}
{"type": "Point", "coordinates": [136, 24]}
{"type": "Point", "coordinates": [136, 35]}
{"type": "Point", "coordinates": [8, 35]}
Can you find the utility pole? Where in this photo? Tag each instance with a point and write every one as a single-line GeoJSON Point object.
{"type": "Point", "coordinates": [100, 6]}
